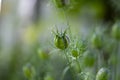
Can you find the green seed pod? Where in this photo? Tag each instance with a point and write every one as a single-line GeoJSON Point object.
{"type": "Point", "coordinates": [75, 53]}
{"type": "Point", "coordinates": [96, 41]}
{"type": "Point", "coordinates": [48, 77]}
{"type": "Point", "coordinates": [61, 41]}
{"type": "Point", "coordinates": [103, 74]}
{"type": "Point", "coordinates": [88, 59]}
{"type": "Point", "coordinates": [59, 3]}
{"type": "Point", "coordinates": [29, 71]}
{"type": "Point", "coordinates": [116, 31]}
{"type": "Point", "coordinates": [43, 54]}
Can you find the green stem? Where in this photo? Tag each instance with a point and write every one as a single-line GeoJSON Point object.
{"type": "Point", "coordinates": [64, 72]}
{"type": "Point", "coordinates": [101, 61]}
{"type": "Point", "coordinates": [77, 61]}
{"type": "Point", "coordinates": [69, 29]}
{"type": "Point", "coordinates": [69, 64]}
{"type": "Point", "coordinates": [117, 59]}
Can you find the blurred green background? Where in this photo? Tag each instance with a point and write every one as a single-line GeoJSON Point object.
{"type": "Point", "coordinates": [26, 25]}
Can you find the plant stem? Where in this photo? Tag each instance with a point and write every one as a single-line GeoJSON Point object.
{"type": "Point", "coordinates": [101, 61]}
{"type": "Point", "coordinates": [69, 29]}
{"type": "Point", "coordinates": [64, 72]}
{"type": "Point", "coordinates": [77, 61]}
{"type": "Point", "coordinates": [117, 59]}
{"type": "Point", "coordinates": [69, 64]}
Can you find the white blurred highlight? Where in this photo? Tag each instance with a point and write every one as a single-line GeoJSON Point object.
{"type": "Point", "coordinates": [25, 9]}
{"type": "Point", "coordinates": [0, 4]}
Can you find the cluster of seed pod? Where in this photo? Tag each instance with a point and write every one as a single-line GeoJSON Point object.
{"type": "Point", "coordinates": [29, 71]}
{"type": "Point", "coordinates": [74, 52]}
{"type": "Point", "coordinates": [61, 42]}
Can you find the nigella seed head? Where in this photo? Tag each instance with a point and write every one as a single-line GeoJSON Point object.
{"type": "Point", "coordinates": [116, 31]}
{"type": "Point", "coordinates": [29, 71]}
{"type": "Point", "coordinates": [96, 41]}
{"type": "Point", "coordinates": [103, 74]}
{"type": "Point", "coordinates": [61, 40]}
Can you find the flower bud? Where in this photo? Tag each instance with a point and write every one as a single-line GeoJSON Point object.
{"type": "Point", "coordinates": [29, 71]}
{"type": "Point", "coordinates": [75, 53]}
{"type": "Point", "coordinates": [43, 54]}
{"type": "Point", "coordinates": [116, 31]}
{"type": "Point", "coordinates": [88, 59]}
{"type": "Point", "coordinates": [103, 74]}
{"type": "Point", "coordinates": [61, 41]}
{"type": "Point", "coordinates": [96, 41]}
